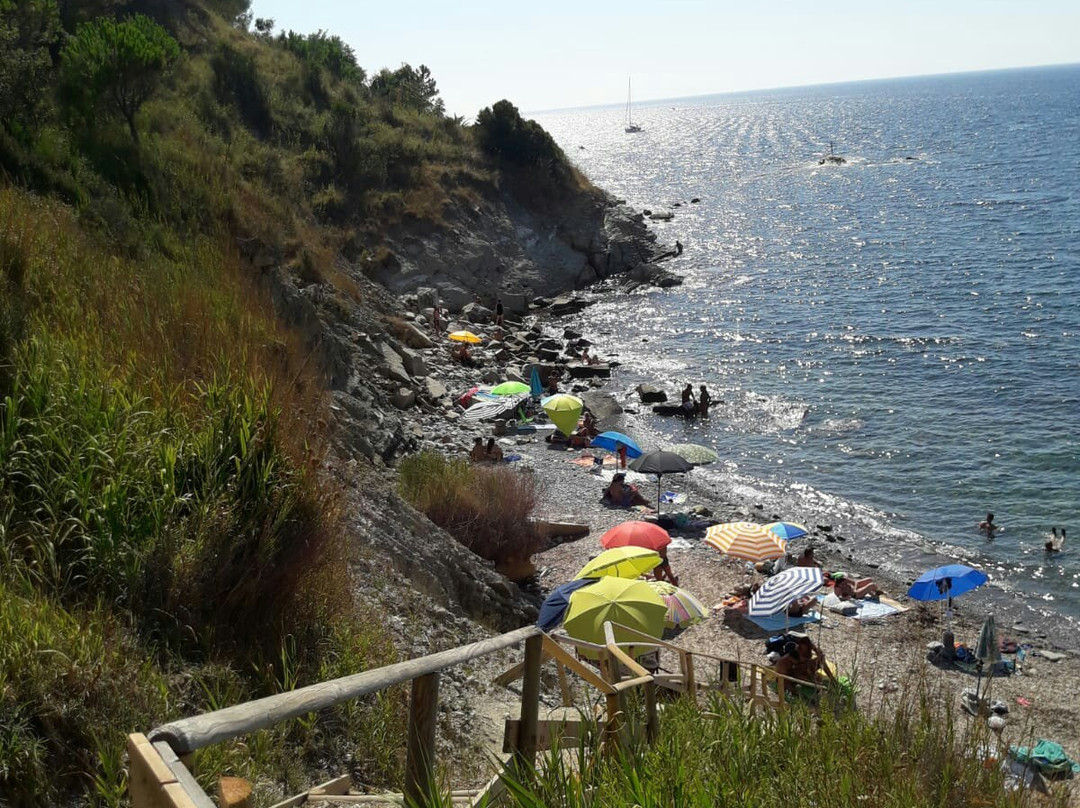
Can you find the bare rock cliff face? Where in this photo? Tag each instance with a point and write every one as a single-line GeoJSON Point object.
{"type": "Point", "coordinates": [498, 245]}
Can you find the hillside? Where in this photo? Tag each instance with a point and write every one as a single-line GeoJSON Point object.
{"type": "Point", "coordinates": [203, 227]}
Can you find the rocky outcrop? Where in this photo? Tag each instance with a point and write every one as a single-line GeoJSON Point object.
{"type": "Point", "coordinates": [500, 247]}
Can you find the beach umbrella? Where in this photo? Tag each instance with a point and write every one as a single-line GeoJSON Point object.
{"type": "Point", "coordinates": [636, 534]}
{"type": "Point", "coordinates": [510, 389]}
{"type": "Point", "coordinates": [683, 609]}
{"type": "Point", "coordinates": [483, 410]}
{"type": "Point", "coordinates": [612, 440]}
{"type": "Point", "coordinates": [694, 453]}
{"type": "Point", "coordinates": [564, 411]}
{"type": "Point", "coordinates": [620, 562]}
{"type": "Point", "coordinates": [555, 604]}
{"type": "Point", "coordinates": [659, 462]}
{"type": "Point", "coordinates": [788, 531]}
{"type": "Point", "coordinates": [986, 650]}
{"type": "Point", "coordinates": [746, 540]}
{"type": "Point", "coordinates": [945, 583]}
{"type": "Point", "coordinates": [465, 336]}
{"type": "Point", "coordinates": [630, 603]}
{"type": "Point", "coordinates": [777, 593]}
{"type": "Point", "coordinates": [535, 387]}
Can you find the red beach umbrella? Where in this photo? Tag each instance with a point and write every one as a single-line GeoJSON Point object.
{"type": "Point", "coordinates": [636, 534]}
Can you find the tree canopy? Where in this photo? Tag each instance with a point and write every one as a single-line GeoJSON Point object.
{"type": "Point", "coordinates": [116, 63]}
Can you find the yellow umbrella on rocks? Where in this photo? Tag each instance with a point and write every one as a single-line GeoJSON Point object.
{"type": "Point", "coordinates": [465, 336]}
{"type": "Point", "coordinates": [746, 540]}
{"type": "Point", "coordinates": [564, 411]}
{"type": "Point", "coordinates": [620, 562]}
{"type": "Point", "coordinates": [629, 603]}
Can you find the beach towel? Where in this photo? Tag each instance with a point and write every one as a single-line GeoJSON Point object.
{"type": "Point", "coordinates": [671, 498]}
{"type": "Point", "coordinates": [1046, 756]}
{"type": "Point", "coordinates": [861, 609]}
{"type": "Point", "coordinates": [779, 622]}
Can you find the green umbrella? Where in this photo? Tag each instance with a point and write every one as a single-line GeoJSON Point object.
{"type": "Point", "coordinates": [509, 389]}
{"type": "Point", "coordinates": [694, 453]}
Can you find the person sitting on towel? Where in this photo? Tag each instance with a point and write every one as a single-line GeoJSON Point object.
{"type": "Point", "coordinates": [807, 559]}
{"type": "Point", "coordinates": [478, 455]}
{"type": "Point", "coordinates": [802, 660]}
{"type": "Point", "coordinates": [622, 495]}
{"type": "Point", "coordinates": [494, 452]}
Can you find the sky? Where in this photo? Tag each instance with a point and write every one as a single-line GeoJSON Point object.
{"type": "Point", "coordinates": [558, 54]}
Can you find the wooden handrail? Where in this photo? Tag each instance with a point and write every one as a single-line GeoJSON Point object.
{"type": "Point", "coordinates": [189, 734]}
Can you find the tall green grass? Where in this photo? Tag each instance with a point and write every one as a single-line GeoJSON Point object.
{"type": "Point", "coordinates": [917, 755]}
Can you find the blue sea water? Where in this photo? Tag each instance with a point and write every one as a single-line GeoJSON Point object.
{"type": "Point", "coordinates": [896, 340]}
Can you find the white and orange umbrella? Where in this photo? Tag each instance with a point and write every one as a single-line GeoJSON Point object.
{"type": "Point", "coordinates": [746, 540]}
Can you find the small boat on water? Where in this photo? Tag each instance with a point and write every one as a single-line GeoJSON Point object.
{"type": "Point", "coordinates": [831, 158]}
{"type": "Point", "coordinates": [630, 125]}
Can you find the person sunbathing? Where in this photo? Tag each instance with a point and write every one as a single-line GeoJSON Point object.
{"type": "Point", "coordinates": [799, 607]}
{"type": "Point", "coordinates": [494, 452]}
{"type": "Point", "coordinates": [477, 454]}
{"type": "Point", "coordinates": [461, 354]}
{"type": "Point", "coordinates": [847, 589]}
{"type": "Point", "coordinates": [621, 494]}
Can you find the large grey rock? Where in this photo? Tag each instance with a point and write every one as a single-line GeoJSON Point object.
{"type": "Point", "coordinates": [477, 313]}
{"type": "Point", "coordinates": [650, 394]}
{"type": "Point", "coordinates": [414, 337]}
{"type": "Point", "coordinates": [434, 388]}
{"type": "Point", "coordinates": [427, 298]}
{"type": "Point", "coordinates": [413, 362]}
{"type": "Point", "coordinates": [404, 398]}
{"type": "Point", "coordinates": [392, 366]}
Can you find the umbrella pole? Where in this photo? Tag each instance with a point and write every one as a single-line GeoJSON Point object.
{"type": "Point", "coordinates": [658, 476]}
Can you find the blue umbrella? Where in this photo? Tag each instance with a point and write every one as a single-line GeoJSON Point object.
{"type": "Point", "coordinates": [556, 604]}
{"type": "Point", "coordinates": [535, 387]}
{"type": "Point", "coordinates": [611, 441]}
{"type": "Point", "coordinates": [945, 583]}
{"type": "Point", "coordinates": [788, 531]}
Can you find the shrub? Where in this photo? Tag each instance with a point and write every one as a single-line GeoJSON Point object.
{"type": "Point", "coordinates": [237, 82]}
{"type": "Point", "coordinates": [485, 508]}
{"type": "Point", "coordinates": [504, 134]}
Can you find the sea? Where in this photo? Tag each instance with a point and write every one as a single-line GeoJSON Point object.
{"type": "Point", "coordinates": [892, 343]}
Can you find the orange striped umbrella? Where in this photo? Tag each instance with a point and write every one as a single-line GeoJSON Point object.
{"type": "Point", "coordinates": [746, 540]}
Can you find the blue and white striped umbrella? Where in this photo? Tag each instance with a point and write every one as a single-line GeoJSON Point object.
{"type": "Point", "coordinates": [778, 591]}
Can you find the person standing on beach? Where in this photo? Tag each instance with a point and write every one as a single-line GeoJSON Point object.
{"type": "Point", "coordinates": [620, 450]}
{"type": "Point", "coordinates": [498, 313]}
{"type": "Point", "coordinates": [435, 324]}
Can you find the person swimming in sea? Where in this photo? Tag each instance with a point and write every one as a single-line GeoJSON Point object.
{"type": "Point", "coordinates": [987, 526]}
{"type": "Point", "coordinates": [1052, 544]}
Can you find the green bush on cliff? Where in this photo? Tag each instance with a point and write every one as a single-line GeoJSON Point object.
{"type": "Point", "coordinates": [486, 508]}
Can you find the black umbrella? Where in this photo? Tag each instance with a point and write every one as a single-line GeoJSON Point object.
{"type": "Point", "coordinates": [659, 462]}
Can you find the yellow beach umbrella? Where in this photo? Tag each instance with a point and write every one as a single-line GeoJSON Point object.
{"type": "Point", "coordinates": [630, 603]}
{"type": "Point", "coordinates": [746, 540]}
{"type": "Point", "coordinates": [465, 336]}
{"type": "Point", "coordinates": [564, 411]}
{"type": "Point", "coordinates": [620, 562]}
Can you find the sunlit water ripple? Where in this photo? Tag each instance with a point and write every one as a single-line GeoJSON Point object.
{"type": "Point", "coordinates": [896, 340]}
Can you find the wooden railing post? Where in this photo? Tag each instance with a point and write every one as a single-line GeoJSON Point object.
{"type": "Point", "coordinates": [652, 722]}
{"type": "Point", "coordinates": [530, 704]}
{"type": "Point", "coordinates": [420, 744]}
{"type": "Point", "coordinates": [687, 660]}
{"type": "Point", "coordinates": [609, 668]}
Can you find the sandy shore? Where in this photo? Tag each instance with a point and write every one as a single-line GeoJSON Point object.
{"type": "Point", "coordinates": [887, 656]}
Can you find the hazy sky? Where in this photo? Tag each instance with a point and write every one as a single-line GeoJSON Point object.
{"type": "Point", "coordinates": [545, 55]}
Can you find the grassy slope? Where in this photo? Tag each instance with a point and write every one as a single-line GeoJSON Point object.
{"type": "Point", "coordinates": [164, 545]}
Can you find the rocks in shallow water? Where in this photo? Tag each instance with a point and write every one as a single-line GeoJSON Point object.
{"type": "Point", "coordinates": [570, 333]}
{"type": "Point", "coordinates": [650, 394]}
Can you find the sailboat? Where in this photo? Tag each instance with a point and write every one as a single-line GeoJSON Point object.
{"type": "Point", "coordinates": [630, 125]}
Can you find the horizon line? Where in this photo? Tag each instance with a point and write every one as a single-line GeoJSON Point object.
{"type": "Point", "coordinates": [806, 86]}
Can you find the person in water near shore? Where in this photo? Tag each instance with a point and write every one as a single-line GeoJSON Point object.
{"type": "Point", "coordinates": [1052, 544]}
{"type": "Point", "coordinates": [987, 526]}
{"type": "Point", "coordinates": [678, 247]}
{"type": "Point", "coordinates": [704, 400]}
{"type": "Point", "coordinates": [688, 402]}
